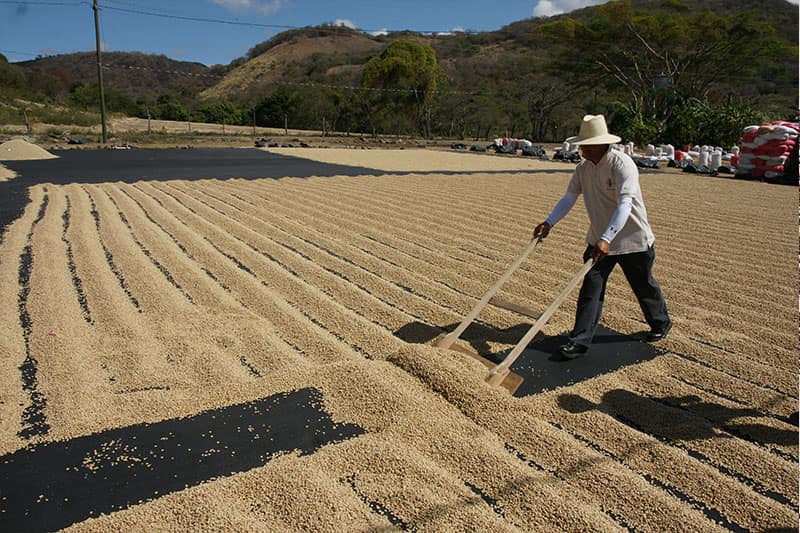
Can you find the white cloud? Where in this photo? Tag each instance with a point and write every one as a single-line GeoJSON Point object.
{"type": "Point", "coordinates": [378, 33]}
{"type": "Point", "coordinates": [455, 30]}
{"type": "Point", "coordinates": [548, 8]}
{"type": "Point", "coordinates": [269, 7]}
{"type": "Point", "coordinates": [233, 4]}
{"type": "Point", "coordinates": [346, 23]}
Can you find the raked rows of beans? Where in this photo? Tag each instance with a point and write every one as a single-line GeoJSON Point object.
{"type": "Point", "coordinates": [135, 303]}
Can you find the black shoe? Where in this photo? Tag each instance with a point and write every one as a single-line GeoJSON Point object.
{"type": "Point", "coordinates": [656, 335]}
{"type": "Point", "coordinates": [571, 350]}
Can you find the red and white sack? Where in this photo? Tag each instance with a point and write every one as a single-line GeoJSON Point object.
{"type": "Point", "coordinates": [766, 148]}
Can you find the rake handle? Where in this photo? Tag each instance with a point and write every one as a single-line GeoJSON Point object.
{"type": "Point", "coordinates": [503, 368]}
{"type": "Point", "coordinates": [451, 337]}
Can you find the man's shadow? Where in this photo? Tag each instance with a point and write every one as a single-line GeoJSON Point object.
{"type": "Point", "coordinates": [682, 418]}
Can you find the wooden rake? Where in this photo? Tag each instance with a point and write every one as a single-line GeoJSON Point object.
{"type": "Point", "coordinates": [500, 374]}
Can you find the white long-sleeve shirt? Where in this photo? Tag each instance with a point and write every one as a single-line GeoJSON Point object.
{"type": "Point", "coordinates": [613, 202]}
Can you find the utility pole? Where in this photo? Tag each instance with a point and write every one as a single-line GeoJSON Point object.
{"type": "Point", "coordinates": [100, 70]}
{"type": "Point", "coordinates": [30, 129]}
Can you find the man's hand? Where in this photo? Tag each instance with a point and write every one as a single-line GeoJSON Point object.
{"type": "Point", "coordinates": [601, 249]}
{"type": "Point", "coordinates": [542, 230]}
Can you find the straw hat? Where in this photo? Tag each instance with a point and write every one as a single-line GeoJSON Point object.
{"type": "Point", "coordinates": [594, 131]}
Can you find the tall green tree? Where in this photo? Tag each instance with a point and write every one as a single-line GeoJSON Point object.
{"type": "Point", "coordinates": [12, 79]}
{"type": "Point", "coordinates": [654, 60]}
{"type": "Point", "coordinates": [279, 108]}
{"type": "Point", "coordinates": [403, 79]}
{"type": "Point", "coordinates": [169, 107]}
{"type": "Point", "coordinates": [220, 113]}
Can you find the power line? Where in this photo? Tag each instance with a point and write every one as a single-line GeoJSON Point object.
{"type": "Point", "coordinates": [174, 16]}
{"type": "Point", "coordinates": [271, 26]}
{"type": "Point", "coordinates": [34, 3]}
{"type": "Point", "coordinates": [18, 52]}
{"type": "Point", "coordinates": [163, 71]}
{"type": "Point", "coordinates": [333, 86]}
{"type": "Point", "coordinates": [727, 78]}
{"type": "Point", "coordinates": [119, 66]}
{"type": "Point", "coordinates": [199, 19]}
{"type": "Point", "coordinates": [32, 54]}
{"type": "Point", "coordinates": [151, 11]}
{"type": "Point", "coordinates": [277, 82]}
{"type": "Point", "coordinates": [321, 85]}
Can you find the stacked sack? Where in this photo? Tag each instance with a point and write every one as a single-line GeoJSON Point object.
{"type": "Point", "coordinates": [765, 149]}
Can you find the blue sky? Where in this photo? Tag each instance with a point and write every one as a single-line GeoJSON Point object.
{"type": "Point", "coordinates": [31, 27]}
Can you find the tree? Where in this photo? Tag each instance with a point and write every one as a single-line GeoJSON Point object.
{"type": "Point", "coordinates": [12, 79]}
{"type": "Point", "coordinates": [220, 113]}
{"type": "Point", "coordinates": [352, 115]}
{"type": "Point", "coordinates": [545, 94]}
{"type": "Point", "coordinates": [653, 60]}
{"type": "Point", "coordinates": [403, 80]}
{"type": "Point", "coordinates": [86, 96]}
{"type": "Point", "coordinates": [274, 110]}
{"type": "Point", "coordinates": [698, 121]}
{"type": "Point", "coordinates": [169, 108]}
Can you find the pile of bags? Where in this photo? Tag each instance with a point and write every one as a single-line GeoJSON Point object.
{"type": "Point", "coordinates": [766, 149]}
{"type": "Point", "coordinates": [535, 151]}
{"type": "Point", "coordinates": [665, 152]}
{"type": "Point", "coordinates": [564, 154]}
{"type": "Point", "coordinates": [506, 145]}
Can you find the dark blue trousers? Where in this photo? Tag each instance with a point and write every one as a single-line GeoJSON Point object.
{"type": "Point", "coordinates": [638, 270]}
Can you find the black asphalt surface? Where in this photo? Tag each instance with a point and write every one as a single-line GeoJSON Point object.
{"type": "Point", "coordinates": [56, 484]}
{"type": "Point", "coordinates": [100, 166]}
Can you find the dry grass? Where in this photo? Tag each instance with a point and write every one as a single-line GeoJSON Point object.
{"type": "Point", "coordinates": [308, 279]}
{"type": "Point", "coordinates": [134, 124]}
{"type": "Point", "coordinates": [271, 65]}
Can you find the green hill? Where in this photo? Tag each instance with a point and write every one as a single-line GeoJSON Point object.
{"type": "Point", "coordinates": [638, 61]}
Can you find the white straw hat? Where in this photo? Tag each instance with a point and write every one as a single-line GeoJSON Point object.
{"type": "Point", "coordinates": [594, 131]}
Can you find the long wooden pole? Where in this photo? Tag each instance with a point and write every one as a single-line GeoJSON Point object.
{"type": "Point", "coordinates": [100, 71]}
{"type": "Point", "coordinates": [499, 372]}
{"type": "Point", "coordinates": [451, 337]}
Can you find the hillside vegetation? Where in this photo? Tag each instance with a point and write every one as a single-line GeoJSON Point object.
{"type": "Point", "coordinates": [661, 70]}
{"type": "Point", "coordinates": [286, 59]}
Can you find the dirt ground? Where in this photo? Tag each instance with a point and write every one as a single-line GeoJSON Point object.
{"type": "Point", "coordinates": [139, 303]}
{"type": "Point", "coordinates": [141, 133]}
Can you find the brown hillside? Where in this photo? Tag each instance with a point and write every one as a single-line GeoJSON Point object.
{"type": "Point", "coordinates": [343, 70]}
{"type": "Point", "coordinates": [132, 73]}
{"type": "Point", "coordinates": [272, 64]}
